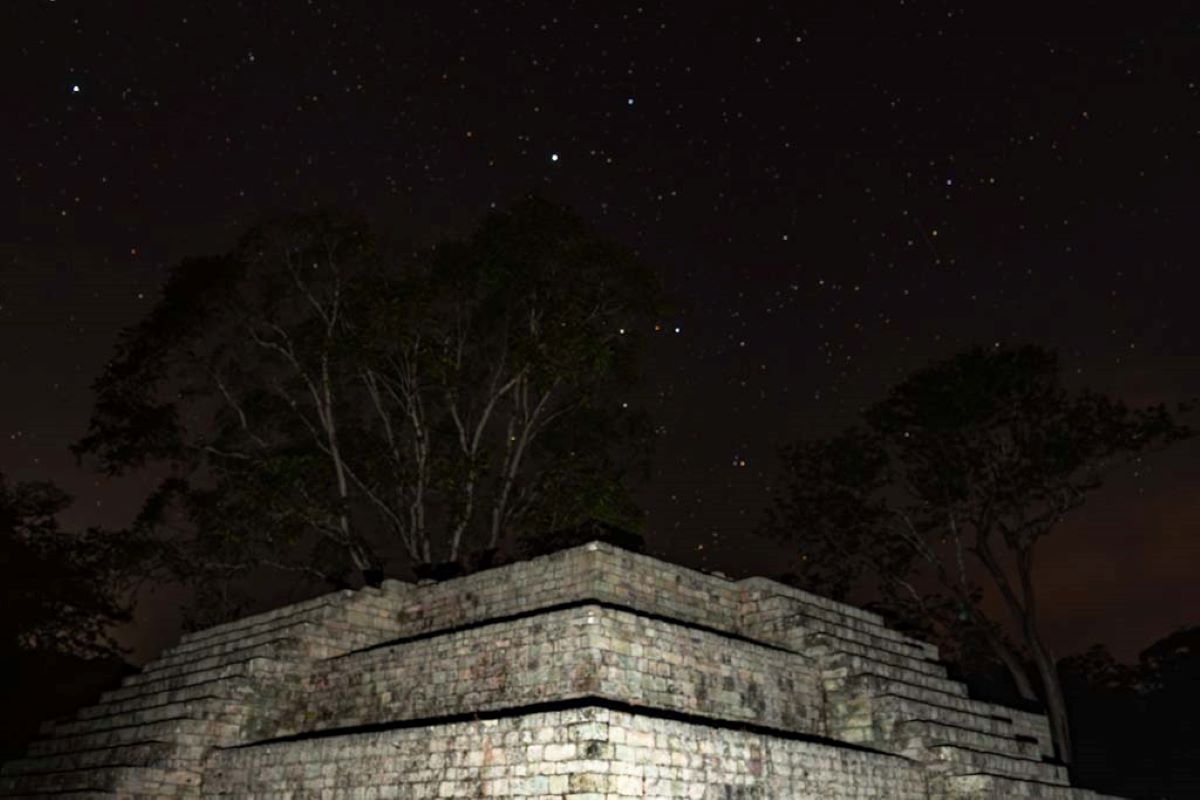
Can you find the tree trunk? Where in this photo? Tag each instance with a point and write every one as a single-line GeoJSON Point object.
{"type": "Point", "coordinates": [1015, 668]}
{"type": "Point", "coordinates": [1056, 704]}
{"type": "Point", "coordinates": [1024, 612]}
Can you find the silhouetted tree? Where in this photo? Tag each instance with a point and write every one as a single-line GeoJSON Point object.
{"type": "Point", "coordinates": [949, 484]}
{"type": "Point", "coordinates": [1169, 676]}
{"type": "Point", "coordinates": [1137, 734]}
{"type": "Point", "coordinates": [319, 404]}
{"type": "Point", "coordinates": [60, 592]}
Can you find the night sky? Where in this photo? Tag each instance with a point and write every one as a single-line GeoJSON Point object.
{"type": "Point", "coordinates": [832, 198]}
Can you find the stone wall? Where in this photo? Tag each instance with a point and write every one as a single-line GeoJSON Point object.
{"type": "Point", "coordinates": [593, 672]}
{"type": "Point", "coordinates": [586, 754]}
{"type": "Point", "coordinates": [595, 571]}
{"type": "Point", "coordinates": [586, 651]}
{"type": "Point", "coordinates": [522, 662]}
{"type": "Point", "coordinates": [654, 663]}
{"type": "Point", "coordinates": [756, 607]}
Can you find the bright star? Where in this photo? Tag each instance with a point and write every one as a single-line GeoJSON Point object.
{"type": "Point", "coordinates": [75, 88]}
{"type": "Point", "coordinates": [554, 156]}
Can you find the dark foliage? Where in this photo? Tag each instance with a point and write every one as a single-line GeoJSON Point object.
{"type": "Point", "coordinates": [38, 686]}
{"type": "Point", "coordinates": [1136, 730]}
{"type": "Point", "coordinates": [947, 487]}
{"type": "Point", "coordinates": [60, 592]}
{"type": "Point", "coordinates": [326, 410]}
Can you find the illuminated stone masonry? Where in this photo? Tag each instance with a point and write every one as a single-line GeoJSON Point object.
{"type": "Point", "coordinates": [593, 674]}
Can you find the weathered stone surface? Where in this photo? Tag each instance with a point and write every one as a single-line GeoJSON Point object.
{"type": "Point", "coordinates": [593, 674]}
{"type": "Point", "coordinates": [573, 753]}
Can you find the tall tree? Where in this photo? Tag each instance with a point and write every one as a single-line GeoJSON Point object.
{"type": "Point", "coordinates": [321, 407]}
{"type": "Point", "coordinates": [950, 484]}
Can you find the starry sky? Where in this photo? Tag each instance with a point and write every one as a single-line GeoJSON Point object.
{"type": "Point", "coordinates": [834, 194]}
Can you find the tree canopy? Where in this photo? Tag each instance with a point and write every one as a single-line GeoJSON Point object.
{"type": "Point", "coordinates": [948, 485]}
{"type": "Point", "coordinates": [61, 591]}
{"type": "Point", "coordinates": [325, 408]}
{"type": "Point", "coordinates": [1137, 733]}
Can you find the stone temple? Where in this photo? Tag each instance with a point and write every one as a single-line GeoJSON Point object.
{"type": "Point", "coordinates": [592, 673]}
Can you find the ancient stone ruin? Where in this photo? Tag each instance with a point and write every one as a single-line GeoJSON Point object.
{"type": "Point", "coordinates": [593, 673]}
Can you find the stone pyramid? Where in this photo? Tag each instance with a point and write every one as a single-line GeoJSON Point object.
{"type": "Point", "coordinates": [593, 673]}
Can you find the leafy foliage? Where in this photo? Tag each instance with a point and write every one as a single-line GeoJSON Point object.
{"type": "Point", "coordinates": [1137, 730]}
{"type": "Point", "coordinates": [61, 592]}
{"type": "Point", "coordinates": [325, 410]}
{"type": "Point", "coordinates": [948, 485]}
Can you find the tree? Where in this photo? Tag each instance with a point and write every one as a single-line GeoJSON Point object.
{"type": "Point", "coordinates": [61, 592]}
{"type": "Point", "coordinates": [1170, 681]}
{"type": "Point", "coordinates": [1137, 734]}
{"type": "Point", "coordinates": [320, 406]}
{"type": "Point", "coordinates": [948, 486]}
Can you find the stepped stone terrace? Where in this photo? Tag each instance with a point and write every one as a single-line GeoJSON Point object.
{"type": "Point", "coordinates": [593, 673]}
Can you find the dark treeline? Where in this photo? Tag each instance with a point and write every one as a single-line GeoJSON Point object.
{"type": "Point", "coordinates": [1134, 725]}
